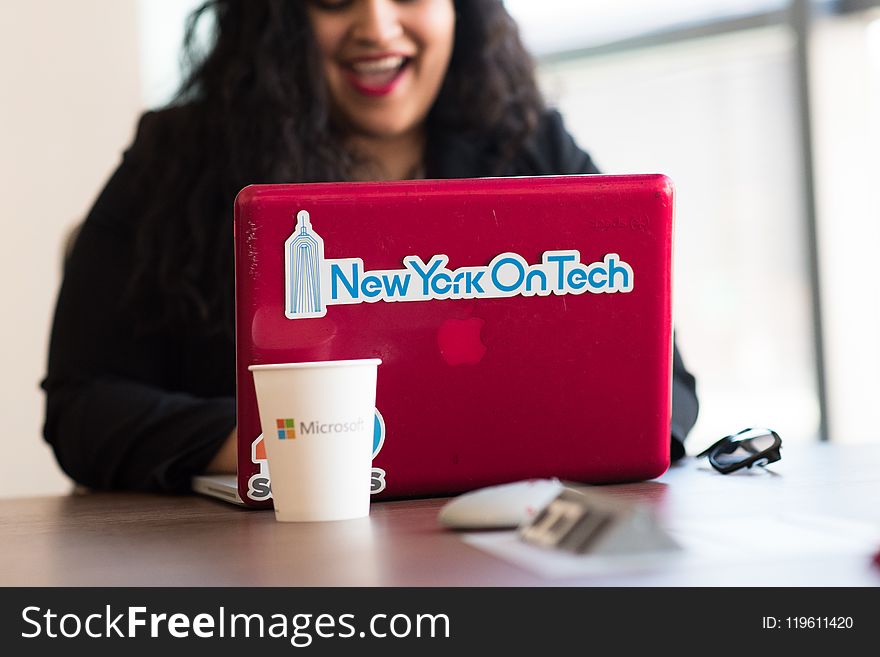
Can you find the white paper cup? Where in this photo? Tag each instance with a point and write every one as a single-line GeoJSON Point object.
{"type": "Point", "coordinates": [321, 458]}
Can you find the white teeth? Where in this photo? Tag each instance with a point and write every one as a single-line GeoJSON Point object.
{"type": "Point", "coordinates": [383, 65]}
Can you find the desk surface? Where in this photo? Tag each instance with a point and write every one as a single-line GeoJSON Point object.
{"type": "Point", "coordinates": [129, 539]}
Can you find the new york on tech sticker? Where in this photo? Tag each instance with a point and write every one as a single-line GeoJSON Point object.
{"type": "Point", "coordinates": [312, 283]}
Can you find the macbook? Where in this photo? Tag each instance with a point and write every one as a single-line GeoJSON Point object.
{"type": "Point", "coordinates": [524, 324]}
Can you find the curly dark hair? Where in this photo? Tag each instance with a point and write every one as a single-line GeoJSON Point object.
{"type": "Point", "coordinates": [254, 109]}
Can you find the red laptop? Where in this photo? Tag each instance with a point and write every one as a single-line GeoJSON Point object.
{"type": "Point", "coordinates": [524, 324]}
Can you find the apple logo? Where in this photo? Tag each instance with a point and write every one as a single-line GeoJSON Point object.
{"type": "Point", "coordinates": [459, 341]}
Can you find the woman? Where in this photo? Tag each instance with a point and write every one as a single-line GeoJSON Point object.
{"type": "Point", "coordinates": [140, 381]}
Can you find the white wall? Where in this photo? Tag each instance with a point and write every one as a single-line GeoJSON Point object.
{"type": "Point", "coordinates": [71, 94]}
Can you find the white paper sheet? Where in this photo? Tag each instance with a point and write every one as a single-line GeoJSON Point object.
{"type": "Point", "coordinates": [716, 541]}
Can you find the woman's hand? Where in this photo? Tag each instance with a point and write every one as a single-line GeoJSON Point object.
{"type": "Point", "coordinates": [225, 460]}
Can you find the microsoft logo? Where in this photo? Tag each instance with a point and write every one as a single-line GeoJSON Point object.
{"type": "Point", "coordinates": [286, 428]}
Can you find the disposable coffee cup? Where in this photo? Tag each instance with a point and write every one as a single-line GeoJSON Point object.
{"type": "Point", "coordinates": [317, 421]}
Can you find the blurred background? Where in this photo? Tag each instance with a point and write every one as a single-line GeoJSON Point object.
{"type": "Point", "coordinates": [765, 113]}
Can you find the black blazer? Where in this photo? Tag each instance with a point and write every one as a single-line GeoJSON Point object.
{"type": "Point", "coordinates": [125, 410]}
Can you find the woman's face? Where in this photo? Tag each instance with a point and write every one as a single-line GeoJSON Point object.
{"type": "Point", "coordinates": [384, 60]}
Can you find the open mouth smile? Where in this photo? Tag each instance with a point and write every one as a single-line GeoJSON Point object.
{"type": "Point", "coordinates": [376, 76]}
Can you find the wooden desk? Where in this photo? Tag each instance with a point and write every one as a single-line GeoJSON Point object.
{"type": "Point", "coordinates": [130, 539]}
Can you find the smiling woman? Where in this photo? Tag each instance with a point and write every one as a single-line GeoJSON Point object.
{"type": "Point", "coordinates": [141, 380]}
{"type": "Point", "coordinates": [383, 62]}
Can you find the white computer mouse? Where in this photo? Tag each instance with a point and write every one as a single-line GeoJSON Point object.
{"type": "Point", "coordinates": [499, 507]}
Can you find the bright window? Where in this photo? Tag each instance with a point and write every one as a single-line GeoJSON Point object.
{"type": "Point", "coordinates": [555, 25]}
{"type": "Point", "coordinates": [716, 116]}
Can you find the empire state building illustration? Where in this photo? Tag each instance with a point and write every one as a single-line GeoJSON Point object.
{"type": "Point", "coordinates": [304, 257]}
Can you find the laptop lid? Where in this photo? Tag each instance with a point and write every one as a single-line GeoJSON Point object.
{"type": "Point", "coordinates": [524, 324]}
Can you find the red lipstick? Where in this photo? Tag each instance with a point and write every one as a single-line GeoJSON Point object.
{"type": "Point", "coordinates": [376, 75]}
